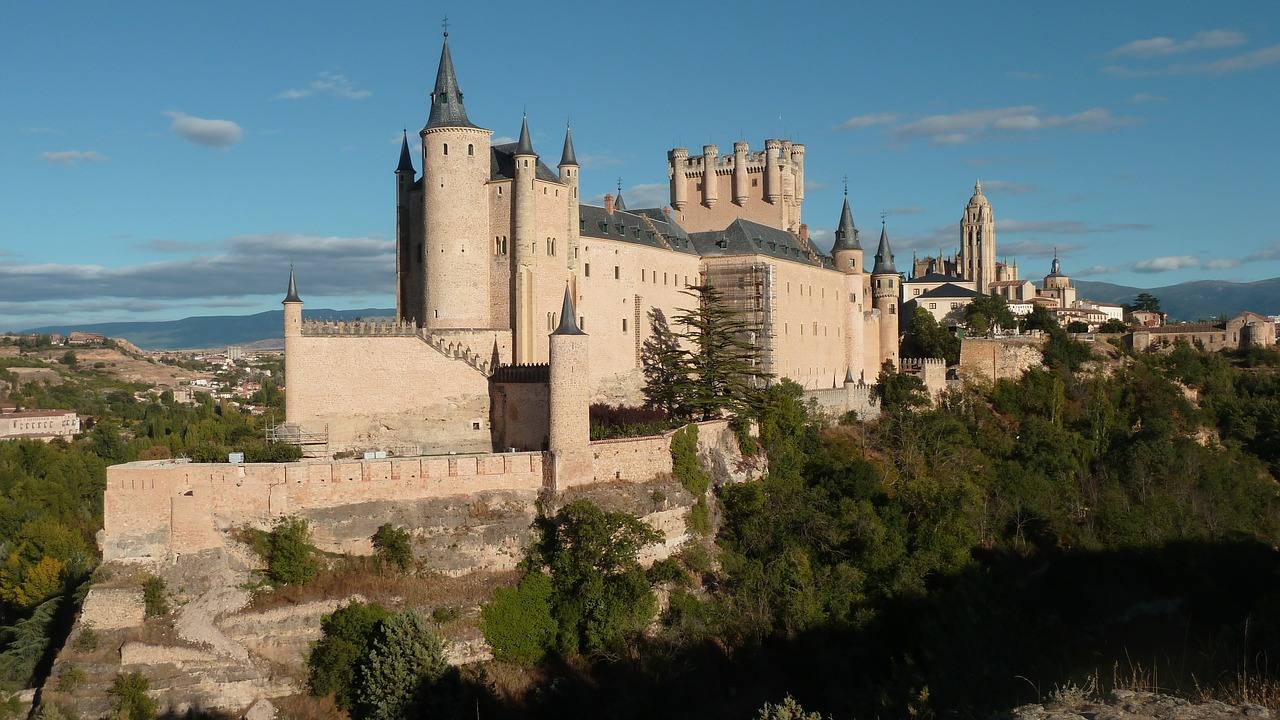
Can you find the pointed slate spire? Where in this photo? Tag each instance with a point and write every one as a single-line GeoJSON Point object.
{"type": "Point", "coordinates": [292, 295]}
{"type": "Point", "coordinates": [1055, 270]}
{"type": "Point", "coordinates": [617, 201]}
{"type": "Point", "coordinates": [406, 160]}
{"type": "Point", "coordinates": [846, 233]}
{"type": "Point", "coordinates": [848, 375]}
{"type": "Point", "coordinates": [884, 256]}
{"type": "Point", "coordinates": [446, 100]}
{"type": "Point", "coordinates": [568, 318]}
{"type": "Point", "coordinates": [526, 145]}
{"type": "Point", "coordinates": [567, 156]}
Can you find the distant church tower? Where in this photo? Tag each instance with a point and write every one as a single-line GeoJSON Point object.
{"type": "Point", "coordinates": [455, 168]}
{"type": "Point", "coordinates": [885, 285]}
{"type": "Point", "coordinates": [978, 242]}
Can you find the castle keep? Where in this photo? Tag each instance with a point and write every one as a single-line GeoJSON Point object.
{"type": "Point", "coordinates": [494, 247]}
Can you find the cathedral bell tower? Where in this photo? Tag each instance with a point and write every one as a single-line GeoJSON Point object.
{"type": "Point", "coordinates": [978, 242]}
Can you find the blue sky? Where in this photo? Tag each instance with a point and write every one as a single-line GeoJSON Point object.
{"type": "Point", "coordinates": [163, 159]}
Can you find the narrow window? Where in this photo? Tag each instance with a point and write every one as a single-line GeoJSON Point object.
{"type": "Point", "coordinates": [624, 324]}
{"type": "Point", "coordinates": [582, 322]}
{"type": "Point", "coordinates": [446, 148]}
{"type": "Point", "coordinates": [471, 150]}
{"type": "Point", "coordinates": [616, 272]}
{"type": "Point", "coordinates": [642, 275]}
{"type": "Point", "coordinates": [504, 244]}
{"type": "Point", "coordinates": [586, 269]}
{"type": "Point", "coordinates": [582, 225]}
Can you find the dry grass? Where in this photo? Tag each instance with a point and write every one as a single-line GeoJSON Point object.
{"type": "Point", "coordinates": [363, 576]}
{"type": "Point", "coordinates": [307, 707]}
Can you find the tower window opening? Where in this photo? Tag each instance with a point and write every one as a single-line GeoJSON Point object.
{"type": "Point", "coordinates": [582, 322]}
{"type": "Point", "coordinates": [445, 147]}
{"type": "Point", "coordinates": [617, 272]}
{"type": "Point", "coordinates": [582, 226]}
{"type": "Point", "coordinates": [586, 269]}
{"type": "Point", "coordinates": [471, 149]}
{"type": "Point", "coordinates": [504, 244]}
{"type": "Point", "coordinates": [624, 324]}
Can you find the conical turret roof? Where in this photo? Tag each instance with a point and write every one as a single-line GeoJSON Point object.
{"type": "Point", "coordinates": [292, 295]}
{"type": "Point", "coordinates": [446, 100]}
{"type": "Point", "coordinates": [406, 160]}
{"type": "Point", "coordinates": [846, 232]}
{"type": "Point", "coordinates": [567, 156]}
{"type": "Point", "coordinates": [884, 256]}
{"type": "Point", "coordinates": [525, 146]}
{"type": "Point", "coordinates": [568, 318]}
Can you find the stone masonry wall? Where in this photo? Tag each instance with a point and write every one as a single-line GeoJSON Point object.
{"type": "Point", "coordinates": [990, 359]}
{"type": "Point", "coordinates": [855, 396]}
{"type": "Point", "coordinates": [643, 458]}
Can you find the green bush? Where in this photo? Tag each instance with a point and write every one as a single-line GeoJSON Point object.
{"type": "Point", "coordinates": [699, 518]}
{"type": "Point", "coordinates": [71, 677]}
{"type": "Point", "coordinates": [684, 460]}
{"type": "Point", "coordinates": [517, 623]}
{"type": "Point", "coordinates": [153, 595]}
{"type": "Point", "coordinates": [445, 614]}
{"type": "Point", "coordinates": [290, 555]}
{"type": "Point", "coordinates": [405, 659]}
{"type": "Point", "coordinates": [86, 641]}
{"type": "Point", "coordinates": [667, 570]}
{"type": "Point", "coordinates": [788, 709]}
{"type": "Point", "coordinates": [392, 546]}
{"type": "Point", "coordinates": [131, 701]}
{"type": "Point", "coordinates": [333, 663]}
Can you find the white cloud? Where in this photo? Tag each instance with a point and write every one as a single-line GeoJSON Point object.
{"type": "Point", "coordinates": [1162, 45]}
{"type": "Point", "coordinates": [219, 134]}
{"type": "Point", "coordinates": [503, 140]}
{"type": "Point", "coordinates": [588, 160]}
{"type": "Point", "coordinates": [72, 157]}
{"type": "Point", "coordinates": [1064, 227]}
{"type": "Point", "coordinates": [906, 210]}
{"type": "Point", "coordinates": [327, 83]}
{"type": "Point", "coordinates": [1008, 186]}
{"type": "Point", "coordinates": [1237, 63]}
{"type": "Point", "coordinates": [1166, 263]}
{"type": "Point", "coordinates": [1098, 270]}
{"type": "Point", "coordinates": [1143, 97]}
{"type": "Point", "coordinates": [953, 128]}
{"type": "Point", "coordinates": [869, 120]}
{"type": "Point", "coordinates": [1222, 264]}
{"type": "Point", "coordinates": [1271, 252]}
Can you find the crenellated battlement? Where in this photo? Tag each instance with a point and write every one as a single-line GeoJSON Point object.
{"type": "Point", "coordinates": [362, 328]}
{"type": "Point", "coordinates": [922, 363]}
{"type": "Point", "coordinates": [530, 373]}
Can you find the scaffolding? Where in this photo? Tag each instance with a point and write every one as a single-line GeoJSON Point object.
{"type": "Point", "coordinates": [749, 289]}
{"type": "Point", "coordinates": [312, 444]}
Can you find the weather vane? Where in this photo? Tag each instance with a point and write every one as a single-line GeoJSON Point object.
{"type": "Point", "coordinates": [846, 186]}
{"type": "Point", "coordinates": [883, 214]}
{"type": "Point", "coordinates": [445, 24]}
{"type": "Point", "coordinates": [619, 186]}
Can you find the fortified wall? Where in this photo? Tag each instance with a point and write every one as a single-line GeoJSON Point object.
{"type": "Point", "coordinates": [852, 396]}
{"type": "Point", "coordinates": [482, 504]}
{"type": "Point", "coordinates": [1004, 358]}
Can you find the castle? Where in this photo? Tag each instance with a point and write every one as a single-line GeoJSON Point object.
{"type": "Point", "coordinates": [495, 250]}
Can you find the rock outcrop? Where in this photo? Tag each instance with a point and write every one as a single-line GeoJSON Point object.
{"type": "Point", "coordinates": [1130, 705]}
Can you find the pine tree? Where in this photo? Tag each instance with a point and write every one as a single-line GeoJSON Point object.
{"type": "Point", "coordinates": [666, 368]}
{"type": "Point", "coordinates": [724, 362]}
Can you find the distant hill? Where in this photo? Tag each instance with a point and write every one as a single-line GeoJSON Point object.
{"type": "Point", "coordinates": [209, 331]}
{"type": "Point", "coordinates": [1195, 300]}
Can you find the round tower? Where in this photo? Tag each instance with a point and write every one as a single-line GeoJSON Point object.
{"type": "Point", "coordinates": [772, 170]}
{"type": "Point", "coordinates": [885, 293]}
{"type": "Point", "coordinates": [407, 305]}
{"type": "Point", "coordinates": [740, 182]}
{"type": "Point", "coordinates": [292, 333]}
{"type": "Point", "coordinates": [455, 168]}
{"type": "Point", "coordinates": [677, 159]}
{"type": "Point", "coordinates": [569, 177]}
{"type": "Point", "coordinates": [569, 400]}
{"type": "Point", "coordinates": [710, 193]}
{"type": "Point", "coordinates": [524, 242]}
{"type": "Point", "coordinates": [797, 169]}
{"type": "Point", "coordinates": [847, 249]}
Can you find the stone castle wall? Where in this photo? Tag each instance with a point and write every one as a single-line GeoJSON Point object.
{"type": "Point", "coordinates": [848, 397]}
{"type": "Point", "coordinates": [991, 359]}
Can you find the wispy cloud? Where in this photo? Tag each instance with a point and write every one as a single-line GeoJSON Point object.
{"type": "Point", "coordinates": [503, 140]}
{"type": "Point", "coordinates": [1036, 248]}
{"type": "Point", "coordinates": [907, 210]}
{"type": "Point", "coordinates": [72, 157]}
{"type": "Point", "coordinates": [1271, 252]}
{"type": "Point", "coordinates": [588, 160]}
{"type": "Point", "coordinates": [1094, 270]}
{"type": "Point", "coordinates": [1143, 97]}
{"type": "Point", "coordinates": [1064, 227]}
{"type": "Point", "coordinates": [327, 83]}
{"type": "Point", "coordinates": [209, 132]}
{"type": "Point", "coordinates": [1222, 264]}
{"type": "Point", "coordinates": [234, 268]}
{"type": "Point", "coordinates": [1236, 63]}
{"type": "Point", "coordinates": [1166, 263]}
{"type": "Point", "coordinates": [1162, 45]}
{"type": "Point", "coordinates": [858, 122]}
{"type": "Point", "coordinates": [1008, 186]}
{"type": "Point", "coordinates": [643, 195]}
{"type": "Point", "coordinates": [967, 125]}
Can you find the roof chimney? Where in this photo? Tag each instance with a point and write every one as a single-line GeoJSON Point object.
{"type": "Point", "coordinates": [804, 233]}
{"type": "Point", "coordinates": [608, 203]}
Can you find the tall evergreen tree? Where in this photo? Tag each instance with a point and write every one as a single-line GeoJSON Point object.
{"type": "Point", "coordinates": [666, 368]}
{"type": "Point", "coordinates": [724, 363]}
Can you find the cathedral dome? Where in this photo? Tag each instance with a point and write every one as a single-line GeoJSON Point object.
{"type": "Point", "coordinates": [978, 199]}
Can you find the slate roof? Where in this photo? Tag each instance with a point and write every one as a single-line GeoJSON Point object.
{"type": "Point", "coordinates": [525, 145]}
{"type": "Point", "coordinates": [446, 99]}
{"type": "Point", "coordinates": [884, 256]}
{"type": "Point", "coordinates": [292, 295]}
{"type": "Point", "coordinates": [950, 290]}
{"type": "Point", "coordinates": [567, 156]}
{"type": "Point", "coordinates": [634, 227]}
{"type": "Point", "coordinates": [936, 277]}
{"type": "Point", "coordinates": [846, 232]}
{"type": "Point", "coordinates": [744, 237]}
{"type": "Point", "coordinates": [568, 318]}
{"type": "Point", "coordinates": [406, 160]}
{"type": "Point", "coordinates": [502, 164]}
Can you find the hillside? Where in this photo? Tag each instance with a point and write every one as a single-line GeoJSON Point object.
{"type": "Point", "coordinates": [1194, 300]}
{"type": "Point", "coordinates": [209, 330]}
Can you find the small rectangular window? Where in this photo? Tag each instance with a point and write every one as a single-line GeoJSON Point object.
{"type": "Point", "coordinates": [582, 226]}
{"type": "Point", "coordinates": [642, 275]}
{"type": "Point", "coordinates": [586, 269]}
{"type": "Point", "coordinates": [624, 324]}
{"type": "Point", "coordinates": [617, 273]}
{"type": "Point", "coordinates": [446, 148]}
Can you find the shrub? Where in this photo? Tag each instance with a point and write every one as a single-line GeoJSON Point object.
{"type": "Point", "coordinates": [667, 570]}
{"type": "Point", "coordinates": [342, 647]}
{"type": "Point", "coordinates": [517, 623]}
{"type": "Point", "coordinates": [392, 546]}
{"type": "Point", "coordinates": [131, 701]}
{"type": "Point", "coordinates": [684, 461]}
{"type": "Point", "coordinates": [153, 596]}
{"type": "Point", "coordinates": [155, 452]}
{"type": "Point", "coordinates": [445, 614]}
{"type": "Point", "coordinates": [276, 452]}
{"type": "Point", "coordinates": [788, 709]}
{"type": "Point", "coordinates": [86, 641]}
{"type": "Point", "coordinates": [404, 660]}
{"type": "Point", "coordinates": [616, 421]}
{"type": "Point", "coordinates": [699, 518]}
{"type": "Point", "coordinates": [71, 677]}
{"type": "Point", "coordinates": [290, 555]}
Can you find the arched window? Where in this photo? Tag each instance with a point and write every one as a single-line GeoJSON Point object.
{"type": "Point", "coordinates": [471, 149]}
